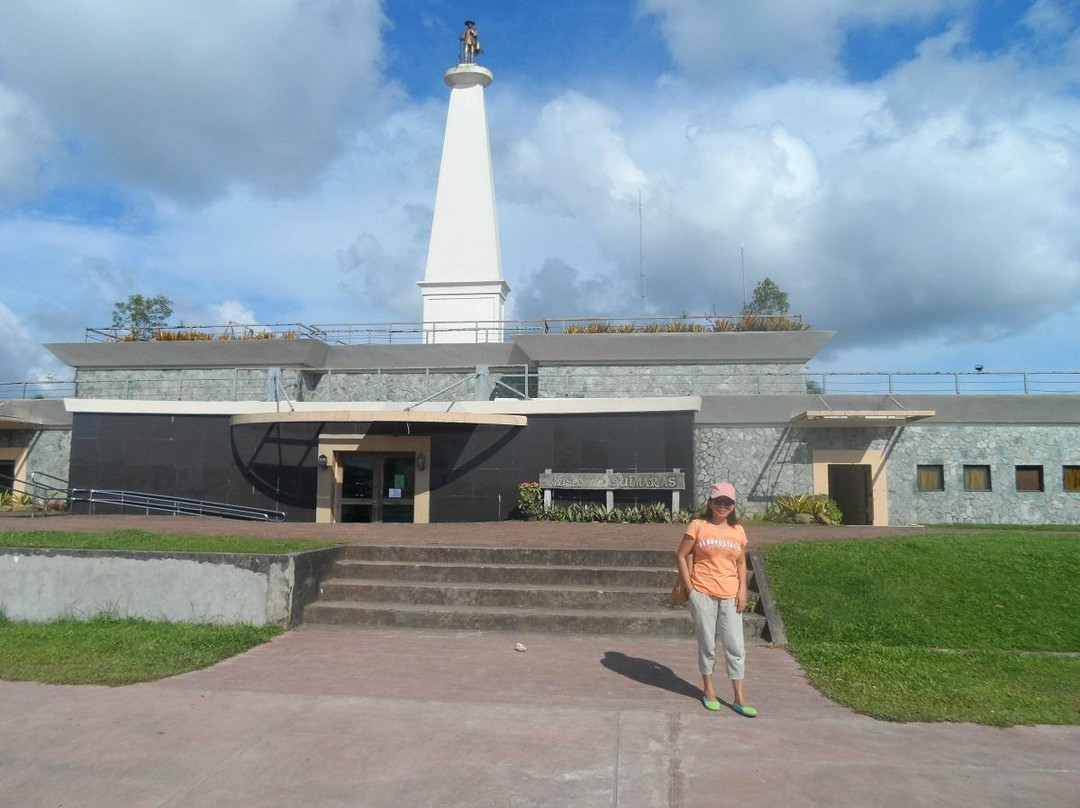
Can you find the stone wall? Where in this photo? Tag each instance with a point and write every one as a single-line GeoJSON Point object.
{"type": "Point", "coordinates": [1000, 447]}
{"type": "Point", "coordinates": [50, 453]}
{"type": "Point", "coordinates": [387, 385]}
{"type": "Point", "coordinates": [49, 450]}
{"type": "Point", "coordinates": [184, 384]}
{"type": "Point", "coordinates": [629, 381]}
{"type": "Point", "coordinates": [254, 384]}
{"type": "Point", "coordinates": [765, 462]}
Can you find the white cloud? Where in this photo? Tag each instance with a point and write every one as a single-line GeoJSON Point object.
{"type": "Point", "coordinates": [27, 146]}
{"type": "Point", "coordinates": [21, 356]}
{"type": "Point", "coordinates": [229, 312]}
{"type": "Point", "coordinates": [1049, 18]}
{"type": "Point", "coordinates": [709, 38]}
{"type": "Point", "coordinates": [936, 206]}
{"type": "Point", "coordinates": [190, 97]}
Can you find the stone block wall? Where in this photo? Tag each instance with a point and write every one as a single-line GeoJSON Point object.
{"type": "Point", "coordinates": [183, 384]}
{"type": "Point", "coordinates": [1000, 447]}
{"type": "Point", "coordinates": [629, 381]}
{"type": "Point", "coordinates": [48, 450]}
{"type": "Point", "coordinates": [766, 462]}
{"type": "Point", "coordinates": [387, 385]}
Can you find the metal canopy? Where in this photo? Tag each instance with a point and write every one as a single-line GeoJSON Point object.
{"type": "Point", "coordinates": [849, 418]}
{"type": "Point", "coordinates": [379, 416]}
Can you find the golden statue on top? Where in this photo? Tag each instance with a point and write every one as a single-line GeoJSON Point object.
{"type": "Point", "coordinates": [470, 43]}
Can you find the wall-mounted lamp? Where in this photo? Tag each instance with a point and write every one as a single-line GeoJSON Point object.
{"type": "Point", "coordinates": [323, 461]}
{"type": "Point", "coordinates": [421, 461]}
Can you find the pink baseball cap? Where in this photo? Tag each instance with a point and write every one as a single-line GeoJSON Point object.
{"type": "Point", "coordinates": [722, 490]}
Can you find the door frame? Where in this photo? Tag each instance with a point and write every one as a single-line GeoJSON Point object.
{"type": "Point", "coordinates": [330, 478]}
{"type": "Point", "coordinates": [874, 458]}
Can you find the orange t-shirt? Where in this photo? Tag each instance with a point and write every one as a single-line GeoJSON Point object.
{"type": "Point", "coordinates": [716, 555]}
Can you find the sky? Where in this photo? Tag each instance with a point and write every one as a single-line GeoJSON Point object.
{"type": "Point", "coordinates": [907, 170]}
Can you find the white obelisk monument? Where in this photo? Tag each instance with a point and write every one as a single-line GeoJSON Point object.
{"type": "Point", "coordinates": [463, 288]}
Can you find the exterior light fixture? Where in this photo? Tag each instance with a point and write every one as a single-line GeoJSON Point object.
{"type": "Point", "coordinates": [323, 461]}
{"type": "Point", "coordinates": [421, 461]}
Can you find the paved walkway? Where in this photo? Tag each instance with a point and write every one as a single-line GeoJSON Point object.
{"type": "Point", "coordinates": [331, 717]}
{"type": "Point", "coordinates": [325, 717]}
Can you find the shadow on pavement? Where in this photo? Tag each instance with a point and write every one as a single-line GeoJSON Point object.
{"type": "Point", "coordinates": [649, 673]}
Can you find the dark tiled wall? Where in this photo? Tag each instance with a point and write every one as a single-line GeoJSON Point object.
{"type": "Point", "coordinates": [475, 471]}
{"type": "Point", "coordinates": [200, 457]}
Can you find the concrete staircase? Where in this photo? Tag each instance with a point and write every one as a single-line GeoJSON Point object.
{"type": "Point", "coordinates": [531, 590]}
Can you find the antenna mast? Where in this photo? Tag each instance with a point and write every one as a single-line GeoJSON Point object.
{"type": "Point", "coordinates": [640, 252]}
{"type": "Point", "coordinates": [742, 268]}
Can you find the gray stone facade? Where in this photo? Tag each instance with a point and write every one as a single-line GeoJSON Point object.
{"type": "Point", "coordinates": [48, 450]}
{"type": "Point", "coordinates": [387, 385]}
{"type": "Point", "coordinates": [183, 384]}
{"type": "Point", "coordinates": [447, 384]}
{"type": "Point", "coordinates": [642, 380]}
{"type": "Point", "coordinates": [765, 462]}
{"type": "Point", "coordinates": [1000, 447]}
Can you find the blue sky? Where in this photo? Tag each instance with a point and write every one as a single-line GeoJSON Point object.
{"type": "Point", "coordinates": [908, 170]}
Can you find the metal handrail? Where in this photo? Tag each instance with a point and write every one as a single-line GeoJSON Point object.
{"type": "Point", "coordinates": [178, 506]}
{"type": "Point", "coordinates": [411, 332]}
{"type": "Point", "coordinates": [33, 390]}
{"type": "Point", "coordinates": [46, 493]}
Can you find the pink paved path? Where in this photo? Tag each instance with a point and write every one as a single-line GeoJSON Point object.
{"type": "Point", "coordinates": [368, 718]}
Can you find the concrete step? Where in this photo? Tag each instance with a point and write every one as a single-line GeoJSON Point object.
{"type": "Point", "coordinates": [508, 589]}
{"type": "Point", "coordinates": [555, 596]}
{"type": "Point", "coordinates": [657, 623]}
{"type": "Point", "coordinates": [563, 557]}
{"type": "Point", "coordinates": [599, 576]}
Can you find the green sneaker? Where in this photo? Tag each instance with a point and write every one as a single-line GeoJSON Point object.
{"type": "Point", "coordinates": [748, 712]}
{"type": "Point", "coordinates": [710, 705]}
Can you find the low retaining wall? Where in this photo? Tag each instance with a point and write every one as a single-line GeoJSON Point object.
{"type": "Point", "coordinates": [40, 585]}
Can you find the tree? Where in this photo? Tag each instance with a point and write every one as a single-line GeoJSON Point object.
{"type": "Point", "coordinates": [141, 315]}
{"type": "Point", "coordinates": [768, 299]}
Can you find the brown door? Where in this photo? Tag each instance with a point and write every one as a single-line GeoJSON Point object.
{"type": "Point", "coordinates": [849, 486]}
{"type": "Point", "coordinates": [377, 487]}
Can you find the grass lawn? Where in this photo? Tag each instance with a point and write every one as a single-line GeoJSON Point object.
{"type": "Point", "coordinates": [143, 540]}
{"type": "Point", "coordinates": [972, 626]}
{"type": "Point", "coordinates": [106, 651]}
{"type": "Point", "coordinates": [1004, 528]}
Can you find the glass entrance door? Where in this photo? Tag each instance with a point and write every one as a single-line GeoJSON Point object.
{"type": "Point", "coordinates": [377, 487]}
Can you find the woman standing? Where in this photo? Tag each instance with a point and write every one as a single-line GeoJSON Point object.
{"type": "Point", "coordinates": [717, 586]}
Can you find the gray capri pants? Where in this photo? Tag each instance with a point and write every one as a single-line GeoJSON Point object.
{"type": "Point", "coordinates": [718, 617]}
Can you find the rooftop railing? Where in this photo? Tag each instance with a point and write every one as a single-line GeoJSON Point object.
{"type": "Point", "coordinates": [944, 383]}
{"type": "Point", "coordinates": [35, 390]}
{"type": "Point", "coordinates": [200, 333]}
{"type": "Point", "coordinates": [413, 333]}
{"type": "Point", "coordinates": [244, 384]}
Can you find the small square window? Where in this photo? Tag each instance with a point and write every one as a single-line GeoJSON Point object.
{"type": "Point", "coordinates": [1029, 478]}
{"type": "Point", "coordinates": [1070, 478]}
{"type": "Point", "coordinates": [930, 478]}
{"type": "Point", "coordinates": [976, 478]}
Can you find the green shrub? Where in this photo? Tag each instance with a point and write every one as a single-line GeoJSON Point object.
{"type": "Point", "coordinates": [531, 506]}
{"type": "Point", "coordinates": [530, 500]}
{"type": "Point", "coordinates": [785, 508]}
